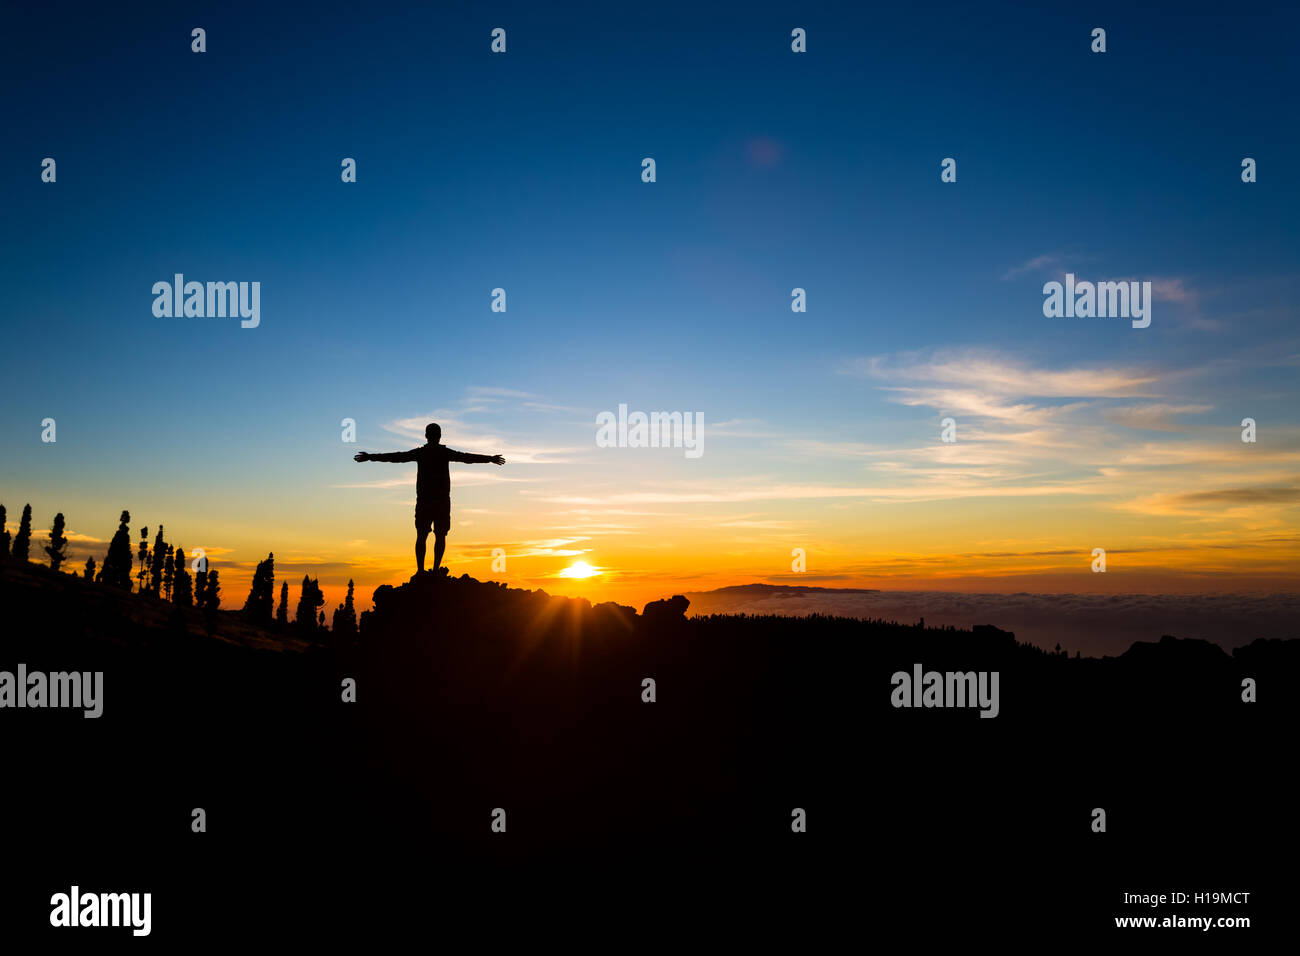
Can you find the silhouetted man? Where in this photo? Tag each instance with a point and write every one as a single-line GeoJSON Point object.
{"type": "Point", "coordinates": [432, 488]}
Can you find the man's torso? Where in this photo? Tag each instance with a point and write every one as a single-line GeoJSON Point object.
{"type": "Point", "coordinates": [433, 476]}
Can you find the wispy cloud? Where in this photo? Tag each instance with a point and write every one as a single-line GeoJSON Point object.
{"type": "Point", "coordinates": [726, 491]}
{"type": "Point", "coordinates": [1049, 262]}
{"type": "Point", "coordinates": [1156, 416]}
{"type": "Point", "coordinates": [463, 479]}
{"type": "Point", "coordinates": [994, 374]}
{"type": "Point", "coordinates": [1025, 429]}
{"type": "Point", "coordinates": [466, 436]}
{"type": "Point", "coordinates": [491, 393]}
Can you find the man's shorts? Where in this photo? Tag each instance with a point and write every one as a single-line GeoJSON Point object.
{"type": "Point", "coordinates": [437, 514]}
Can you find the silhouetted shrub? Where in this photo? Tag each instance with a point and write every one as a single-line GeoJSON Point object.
{"type": "Point", "coordinates": [168, 571]}
{"type": "Point", "coordinates": [116, 569]}
{"type": "Point", "coordinates": [158, 560]}
{"type": "Point", "coordinates": [23, 540]}
{"type": "Point", "coordinates": [143, 556]}
{"type": "Point", "coordinates": [282, 612]}
{"type": "Point", "coordinates": [261, 595]}
{"type": "Point", "coordinates": [182, 586]}
{"type": "Point", "coordinates": [345, 618]}
{"type": "Point", "coordinates": [57, 549]}
{"type": "Point", "coordinates": [89, 573]}
{"type": "Point", "coordinates": [310, 599]}
{"type": "Point", "coordinates": [212, 596]}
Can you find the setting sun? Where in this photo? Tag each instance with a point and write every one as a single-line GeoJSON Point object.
{"type": "Point", "coordinates": [579, 569]}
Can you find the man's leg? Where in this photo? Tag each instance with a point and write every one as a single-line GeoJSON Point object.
{"type": "Point", "coordinates": [421, 539]}
{"type": "Point", "coordinates": [441, 525]}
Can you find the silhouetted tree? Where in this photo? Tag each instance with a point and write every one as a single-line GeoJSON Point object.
{"type": "Point", "coordinates": [157, 563]}
{"type": "Point", "coordinates": [345, 617]}
{"type": "Point", "coordinates": [182, 587]}
{"type": "Point", "coordinates": [169, 569]}
{"type": "Point", "coordinates": [143, 555]}
{"type": "Point", "coordinates": [310, 599]}
{"type": "Point", "coordinates": [57, 549]}
{"type": "Point", "coordinates": [322, 621]}
{"type": "Point", "coordinates": [89, 573]}
{"type": "Point", "coordinates": [4, 535]}
{"type": "Point", "coordinates": [116, 569]}
{"type": "Point", "coordinates": [200, 586]}
{"type": "Point", "coordinates": [212, 596]}
{"type": "Point", "coordinates": [282, 612]}
{"type": "Point", "coordinates": [261, 596]}
{"type": "Point", "coordinates": [23, 540]}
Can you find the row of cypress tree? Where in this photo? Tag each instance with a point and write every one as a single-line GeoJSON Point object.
{"type": "Point", "coordinates": [260, 594]}
{"type": "Point", "coordinates": [57, 548]}
{"type": "Point", "coordinates": [164, 571]}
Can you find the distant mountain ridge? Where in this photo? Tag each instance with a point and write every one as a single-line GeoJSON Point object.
{"type": "Point", "coordinates": [1095, 624]}
{"type": "Point", "coordinates": [758, 588]}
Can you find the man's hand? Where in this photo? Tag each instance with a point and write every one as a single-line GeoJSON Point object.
{"type": "Point", "coordinates": [361, 456]}
{"type": "Point", "coordinates": [497, 460]}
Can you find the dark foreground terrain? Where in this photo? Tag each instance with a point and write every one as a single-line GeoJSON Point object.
{"type": "Point", "coordinates": [625, 820]}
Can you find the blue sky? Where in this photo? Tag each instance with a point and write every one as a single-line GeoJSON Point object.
{"type": "Point", "coordinates": [522, 170]}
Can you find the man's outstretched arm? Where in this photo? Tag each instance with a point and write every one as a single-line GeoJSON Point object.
{"type": "Point", "coordinates": [469, 459]}
{"type": "Point", "coordinates": [412, 455]}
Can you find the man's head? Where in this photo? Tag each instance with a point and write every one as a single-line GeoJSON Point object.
{"type": "Point", "coordinates": [433, 432]}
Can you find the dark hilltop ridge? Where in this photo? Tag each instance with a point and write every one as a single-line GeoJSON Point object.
{"type": "Point", "coordinates": [471, 696]}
